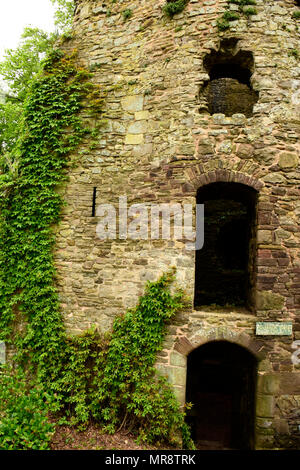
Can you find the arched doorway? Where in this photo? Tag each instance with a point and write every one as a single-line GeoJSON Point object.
{"type": "Point", "coordinates": [221, 385]}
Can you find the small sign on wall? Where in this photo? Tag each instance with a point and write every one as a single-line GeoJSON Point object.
{"type": "Point", "coordinates": [274, 328]}
{"type": "Point", "coordinates": [2, 352]}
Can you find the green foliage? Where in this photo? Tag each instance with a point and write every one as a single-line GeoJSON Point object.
{"type": "Point", "coordinates": [223, 23]}
{"type": "Point", "coordinates": [24, 420]}
{"type": "Point", "coordinates": [294, 53]}
{"type": "Point", "coordinates": [242, 3]}
{"type": "Point", "coordinates": [10, 120]}
{"type": "Point", "coordinates": [112, 379]}
{"type": "Point", "coordinates": [74, 379]}
{"type": "Point", "coordinates": [29, 206]}
{"type": "Point", "coordinates": [32, 206]}
{"type": "Point", "coordinates": [22, 64]}
{"type": "Point", "coordinates": [250, 11]}
{"type": "Point", "coordinates": [130, 390]}
{"type": "Point", "coordinates": [127, 14]}
{"type": "Point", "coordinates": [231, 16]}
{"type": "Point", "coordinates": [296, 14]}
{"type": "Point", "coordinates": [18, 69]}
{"type": "Point", "coordinates": [64, 14]}
{"type": "Point", "coordinates": [171, 8]}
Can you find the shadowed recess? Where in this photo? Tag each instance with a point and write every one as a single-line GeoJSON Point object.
{"type": "Point", "coordinates": [221, 384]}
{"type": "Point", "coordinates": [229, 90]}
{"type": "Point", "coordinates": [224, 274]}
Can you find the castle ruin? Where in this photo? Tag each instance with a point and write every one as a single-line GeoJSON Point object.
{"type": "Point", "coordinates": [197, 115]}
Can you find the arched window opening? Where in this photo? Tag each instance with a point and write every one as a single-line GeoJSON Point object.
{"type": "Point", "coordinates": [225, 271]}
{"type": "Point", "coordinates": [228, 90]}
{"type": "Point", "coordinates": [221, 385]}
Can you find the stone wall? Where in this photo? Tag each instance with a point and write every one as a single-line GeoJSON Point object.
{"type": "Point", "coordinates": [238, 97]}
{"type": "Point", "coordinates": [157, 147]}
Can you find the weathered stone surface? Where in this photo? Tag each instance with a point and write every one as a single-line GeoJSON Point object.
{"type": "Point", "coordinates": [2, 353]}
{"type": "Point", "coordinates": [238, 97]}
{"type": "Point", "coordinates": [141, 115]}
{"type": "Point", "coordinates": [290, 383]}
{"type": "Point", "coordinates": [281, 426]}
{"type": "Point", "coordinates": [275, 178]}
{"type": "Point", "coordinates": [288, 161]}
{"type": "Point", "coordinates": [180, 394]}
{"type": "Point", "coordinates": [264, 236]}
{"type": "Point", "coordinates": [245, 151]}
{"type": "Point", "coordinates": [139, 127]}
{"type": "Point", "coordinates": [175, 375]}
{"type": "Point", "coordinates": [183, 346]}
{"type": "Point", "coordinates": [142, 150]}
{"type": "Point", "coordinates": [265, 406]}
{"type": "Point", "coordinates": [268, 384]}
{"type": "Point", "coordinates": [134, 139]}
{"type": "Point", "coordinates": [177, 359]}
{"type": "Point", "coordinates": [225, 147]}
{"type": "Point", "coordinates": [266, 300]}
{"type": "Point", "coordinates": [132, 103]}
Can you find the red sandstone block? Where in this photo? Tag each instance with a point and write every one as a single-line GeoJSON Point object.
{"type": "Point", "coordinates": [293, 192]}
{"type": "Point", "coordinates": [262, 269]}
{"type": "Point", "coordinates": [266, 262]}
{"type": "Point", "coordinates": [278, 191]}
{"type": "Point", "coordinates": [295, 286]}
{"type": "Point", "coordinates": [266, 279]}
{"type": "Point", "coordinates": [264, 218]}
{"type": "Point", "coordinates": [187, 187]}
{"type": "Point", "coordinates": [264, 254]}
{"type": "Point", "coordinates": [279, 254]}
{"type": "Point", "coordinates": [265, 206]}
{"type": "Point", "coordinates": [202, 180]}
{"type": "Point", "coordinates": [283, 262]}
{"type": "Point", "coordinates": [297, 300]}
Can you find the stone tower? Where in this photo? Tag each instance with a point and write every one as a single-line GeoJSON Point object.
{"type": "Point", "coordinates": [197, 113]}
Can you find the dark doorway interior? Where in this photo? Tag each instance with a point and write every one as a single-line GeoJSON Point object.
{"type": "Point", "coordinates": [221, 382]}
{"type": "Point", "coordinates": [225, 265]}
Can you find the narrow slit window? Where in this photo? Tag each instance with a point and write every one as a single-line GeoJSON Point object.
{"type": "Point", "coordinates": [94, 202]}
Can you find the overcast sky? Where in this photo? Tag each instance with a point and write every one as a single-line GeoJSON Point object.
{"type": "Point", "coordinates": [16, 14]}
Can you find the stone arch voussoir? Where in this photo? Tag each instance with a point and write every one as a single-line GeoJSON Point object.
{"type": "Point", "coordinates": [185, 345]}
{"type": "Point", "coordinates": [198, 180]}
